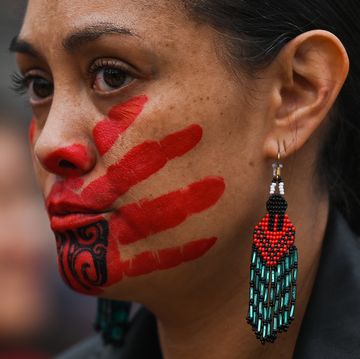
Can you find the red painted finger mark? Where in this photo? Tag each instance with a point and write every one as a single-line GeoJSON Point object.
{"type": "Point", "coordinates": [142, 263]}
{"type": "Point", "coordinates": [32, 130]}
{"type": "Point", "coordinates": [139, 220]}
{"type": "Point", "coordinates": [136, 222]}
{"type": "Point", "coordinates": [138, 164]}
{"type": "Point", "coordinates": [120, 117]}
{"type": "Point", "coordinates": [150, 261]}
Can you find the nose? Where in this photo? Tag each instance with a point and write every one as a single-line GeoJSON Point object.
{"type": "Point", "coordinates": [68, 161]}
{"type": "Point", "coordinates": [63, 145]}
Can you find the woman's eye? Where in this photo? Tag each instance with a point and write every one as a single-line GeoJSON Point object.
{"type": "Point", "coordinates": [40, 88]}
{"type": "Point", "coordinates": [109, 79]}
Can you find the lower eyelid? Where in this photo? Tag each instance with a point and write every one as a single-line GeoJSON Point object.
{"type": "Point", "coordinates": [114, 92]}
{"type": "Point", "coordinates": [40, 102]}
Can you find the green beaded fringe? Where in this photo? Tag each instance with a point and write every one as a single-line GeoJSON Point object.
{"type": "Point", "coordinates": [112, 320]}
{"type": "Point", "coordinates": [272, 295]}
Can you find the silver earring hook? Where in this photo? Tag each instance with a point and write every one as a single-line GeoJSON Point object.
{"type": "Point", "coordinates": [277, 166]}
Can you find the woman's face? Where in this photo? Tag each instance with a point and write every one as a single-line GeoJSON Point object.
{"type": "Point", "coordinates": [146, 146]}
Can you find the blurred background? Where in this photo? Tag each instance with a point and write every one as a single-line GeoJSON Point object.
{"type": "Point", "coordinates": [39, 315]}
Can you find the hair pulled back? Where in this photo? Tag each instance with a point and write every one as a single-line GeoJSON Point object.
{"type": "Point", "coordinates": [255, 31]}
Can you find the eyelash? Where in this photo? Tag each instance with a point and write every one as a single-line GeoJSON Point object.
{"type": "Point", "coordinates": [20, 83]}
{"type": "Point", "coordinates": [100, 64]}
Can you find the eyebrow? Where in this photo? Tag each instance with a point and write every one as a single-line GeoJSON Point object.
{"type": "Point", "coordinates": [22, 46]}
{"type": "Point", "coordinates": [92, 33]}
{"type": "Point", "coordinates": [74, 40]}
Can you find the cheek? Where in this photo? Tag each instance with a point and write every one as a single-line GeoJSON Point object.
{"type": "Point", "coordinates": [97, 251]}
{"type": "Point", "coordinates": [120, 117]}
{"type": "Point", "coordinates": [40, 173]}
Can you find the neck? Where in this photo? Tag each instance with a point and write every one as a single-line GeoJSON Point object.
{"type": "Point", "coordinates": [211, 322]}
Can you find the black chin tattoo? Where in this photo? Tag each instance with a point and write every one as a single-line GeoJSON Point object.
{"type": "Point", "coordinates": [82, 255]}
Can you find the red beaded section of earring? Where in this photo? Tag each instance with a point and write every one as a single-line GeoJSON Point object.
{"type": "Point", "coordinates": [273, 245]}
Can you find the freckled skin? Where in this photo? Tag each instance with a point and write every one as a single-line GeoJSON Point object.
{"type": "Point", "coordinates": [187, 260]}
{"type": "Point", "coordinates": [178, 91]}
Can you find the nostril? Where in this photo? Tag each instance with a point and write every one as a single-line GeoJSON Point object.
{"type": "Point", "coordinates": [73, 160]}
{"type": "Point", "coordinates": [67, 165]}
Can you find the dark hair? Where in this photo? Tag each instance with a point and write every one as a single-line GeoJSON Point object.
{"type": "Point", "coordinates": [255, 31]}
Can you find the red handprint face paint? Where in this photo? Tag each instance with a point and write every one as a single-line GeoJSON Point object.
{"type": "Point", "coordinates": [90, 240]}
{"type": "Point", "coordinates": [107, 131]}
{"type": "Point", "coordinates": [80, 161]}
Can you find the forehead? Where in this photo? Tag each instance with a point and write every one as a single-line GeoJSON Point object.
{"type": "Point", "coordinates": [47, 20]}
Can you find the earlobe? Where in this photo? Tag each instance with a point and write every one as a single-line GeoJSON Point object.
{"type": "Point", "coordinates": [311, 71]}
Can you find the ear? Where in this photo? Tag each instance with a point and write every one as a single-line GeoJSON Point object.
{"type": "Point", "coordinates": [310, 72]}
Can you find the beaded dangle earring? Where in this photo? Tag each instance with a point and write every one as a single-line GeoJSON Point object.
{"type": "Point", "coordinates": [273, 268]}
{"type": "Point", "coordinates": [112, 320]}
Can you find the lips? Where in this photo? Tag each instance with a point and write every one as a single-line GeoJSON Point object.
{"type": "Point", "coordinates": [66, 216]}
{"type": "Point", "coordinates": [72, 221]}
